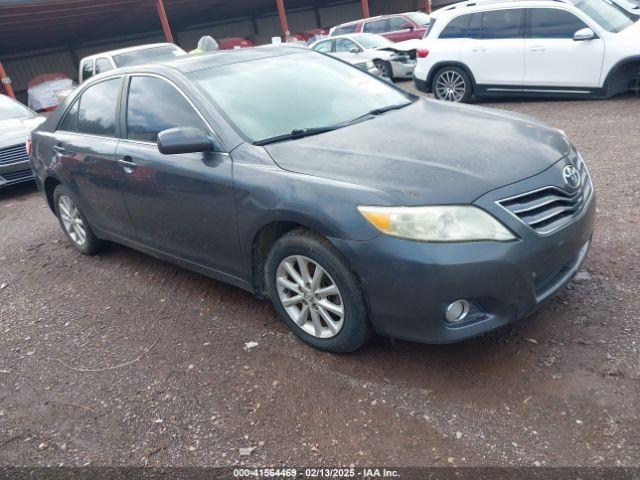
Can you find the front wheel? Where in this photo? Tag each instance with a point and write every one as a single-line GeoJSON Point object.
{"type": "Point", "coordinates": [452, 84]}
{"type": "Point", "coordinates": [385, 68]}
{"type": "Point", "coordinates": [316, 294]}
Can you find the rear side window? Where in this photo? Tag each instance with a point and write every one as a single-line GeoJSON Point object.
{"type": "Point", "coordinates": [399, 23]}
{"type": "Point", "coordinates": [457, 27]}
{"type": "Point", "coordinates": [377, 26]}
{"type": "Point", "coordinates": [324, 47]}
{"type": "Point", "coordinates": [103, 65]}
{"type": "Point", "coordinates": [98, 106]}
{"type": "Point", "coordinates": [345, 29]}
{"type": "Point", "coordinates": [87, 69]}
{"type": "Point", "coordinates": [553, 23]}
{"type": "Point", "coordinates": [155, 105]}
{"type": "Point", "coordinates": [501, 24]}
{"type": "Point", "coordinates": [70, 121]}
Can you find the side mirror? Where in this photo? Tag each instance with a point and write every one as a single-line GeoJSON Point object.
{"type": "Point", "coordinates": [584, 34]}
{"type": "Point", "coordinates": [184, 140]}
{"type": "Point", "coordinates": [354, 50]}
{"type": "Point", "coordinates": [411, 28]}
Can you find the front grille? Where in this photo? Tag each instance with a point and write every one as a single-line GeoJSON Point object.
{"type": "Point", "coordinates": [14, 154]}
{"type": "Point", "coordinates": [17, 177]}
{"type": "Point", "coordinates": [550, 208]}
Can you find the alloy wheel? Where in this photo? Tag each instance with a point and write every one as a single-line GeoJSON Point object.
{"type": "Point", "coordinates": [310, 296]}
{"type": "Point", "coordinates": [73, 224]}
{"type": "Point", "coordinates": [450, 86]}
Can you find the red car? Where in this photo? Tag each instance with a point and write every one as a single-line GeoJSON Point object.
{"type": "Point", "coordinates": [397, 27]}
{"type": "Point", "coordinates": [232, 43]}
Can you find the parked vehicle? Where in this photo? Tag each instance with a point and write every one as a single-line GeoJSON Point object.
{"type": "Point", "coordinates": [397, 28]}
{"type": "Point", "coordinates": [45, 92]}
{"type": "Point", "coordinates": [233, 43]}
{"type": "Point", "coordinates": [631, 7]}
{"type": "Point", "coordinates": [583, 49]}
{"type": "Point", "coordinates": [16, 122]}
{"type": "Point", "coordinates": [334, 196]}
{"type": "Point", "coordinates": [391, 62]}
{"type": "Point", "coordinates": [124, 57]}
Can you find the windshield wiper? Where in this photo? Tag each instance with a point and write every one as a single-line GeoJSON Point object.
{"type": "Point", "coordinates": [297, 133]}
{"type": "Point", "coordinates": [306, 132]}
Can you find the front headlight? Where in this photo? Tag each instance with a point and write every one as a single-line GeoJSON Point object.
{"type": "Point", "coordinates": [370, 65]}
{"type": "Point", "coordinates": [446, 223]}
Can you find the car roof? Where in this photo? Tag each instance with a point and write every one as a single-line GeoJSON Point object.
{"type": "Point", "coordinates": [481, 5]}
{"type": "Point", "coordinates": [136, 48]}
{"type": "Point", "coordinates": [377, 17]}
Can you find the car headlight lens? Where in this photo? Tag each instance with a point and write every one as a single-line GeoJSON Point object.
{"type": "Point", "coordinates": [446, 223]}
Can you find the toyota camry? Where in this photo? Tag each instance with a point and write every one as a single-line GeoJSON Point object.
{"type": "Point", "coordinates": [355, 207]}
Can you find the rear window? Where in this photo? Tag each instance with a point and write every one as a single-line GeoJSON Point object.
{"type": "Point", "coordinates": [501, 24]}
{"type": "Point", "coordinates": [345, 29]}
{"type": "Point", "coordinates": [98, 104]}
{"type": "Point", "coordinates": [377, 26]}
{"type": "Point", "coordinates": [457, 28]}
{"type": "Point", "coordinates": [148, 55]}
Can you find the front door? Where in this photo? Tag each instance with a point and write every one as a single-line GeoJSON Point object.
{"type": "Point", "coordinates": [553, 58]}
{"type": "Point", "coordinates": [86, 146]}
{"type": "Point", "coordinates": [494, 51]}
{"type": "Point", "coordinates": [181, 205]}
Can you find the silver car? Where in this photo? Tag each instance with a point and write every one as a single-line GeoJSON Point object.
{"type": "Point", "coordinates": [390, 58]}
{"type": "Point", "coordinates": [16, 123]}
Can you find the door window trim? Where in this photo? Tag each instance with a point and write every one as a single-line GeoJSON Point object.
{"type": "Point", "coordinates": [124, 103]}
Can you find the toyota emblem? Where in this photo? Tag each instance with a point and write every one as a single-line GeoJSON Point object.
{"type": "Point", "coordinates": [571, 176]}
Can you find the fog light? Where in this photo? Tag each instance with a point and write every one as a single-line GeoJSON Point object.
{"type": "Point", "coordinates": [456, 311]}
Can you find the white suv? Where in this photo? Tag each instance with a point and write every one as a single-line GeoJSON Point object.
{"type": "Point", "coordinates": [578, 48]}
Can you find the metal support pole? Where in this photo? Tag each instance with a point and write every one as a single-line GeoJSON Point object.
{"type": "Point", "coordinates": [6, 81]}
{"type": "Point", "coordinates": [428, 6]}
{"type": "Point", "coordinates": [365, 8]}
{"type": "Point", "coordinates": [164, 21]}
{"type": "Point", "coordinates": [283, 18]}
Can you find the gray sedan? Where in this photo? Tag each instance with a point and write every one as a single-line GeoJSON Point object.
{"type": "Point", "coordinates": [354, 206]}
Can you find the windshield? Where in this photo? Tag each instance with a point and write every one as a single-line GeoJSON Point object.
{"type": "Point", "coordinates": [148, 55]}
{"type": "Point", "coordinates": [10, 109]}
{"type": "Point", "coordinates": [419, 18]}
{"type": "Point", "coordinates": [274, 96]}
{"type": "Point", "coordinates": [608, 16]}
{"type": "Point", "coordinates": [372, 41]}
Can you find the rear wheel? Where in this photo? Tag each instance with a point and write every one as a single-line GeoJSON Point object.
{"type": "Point", "coordinates": [74, 223]}
{"type": "Point", "coordinates": [452, 84]}
{"type": "Point", "coordinates": [316, 294]}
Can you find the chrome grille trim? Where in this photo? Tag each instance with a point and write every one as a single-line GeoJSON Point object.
{"type": "Point", "coordinates": [13, 154]}
{"type": "Point", "coordinates": [551, 208]}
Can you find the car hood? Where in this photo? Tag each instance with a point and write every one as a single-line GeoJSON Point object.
{"type": "Point", "coordinates": [15, 131]}
{"type": "Point", "coordinates": [429, 152]}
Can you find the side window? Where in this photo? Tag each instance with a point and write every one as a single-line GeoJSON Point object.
{"type": "Point", "coordinates": [345, 29]}
{"type": "Point", "coordinates": [103, 65]}
{"type": "Point", "coordinates": [553, 23]}
{"type": "Point", "coordinates": [399, 23]}
{"type": "Point", "coordinates": [457, 28]}
{"type": "Point", "coordinates": [146, 116]}
{"type": "Point", "coordinates": [87, 69]}
{"type": "Point", "coordinates": [500, 24]}
{"type": "Point", "coordinates": [475, 26]}
{"type": "Point", "coordinates": [324, 47]}
{"type": "Point", "coordinates": [377, 26]}
{"type": "Point", "coordinates": [98, 106]}
{"type": "Point", "coordinates": [345, 45]}
{"type": "Point", "coordinates": [70, 121]}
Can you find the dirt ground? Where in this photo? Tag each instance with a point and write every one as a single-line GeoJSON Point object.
{"type": "Point", "coordinates": [121, 359]}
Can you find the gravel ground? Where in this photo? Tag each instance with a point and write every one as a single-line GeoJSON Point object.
{"type": "Point", "coordinates": [121, 359]}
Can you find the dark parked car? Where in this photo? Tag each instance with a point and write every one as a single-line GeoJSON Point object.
{"type": "Point", "coordinates": [354, 206]}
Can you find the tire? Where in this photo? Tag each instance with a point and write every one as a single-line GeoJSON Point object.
{"type": "Point", "coordinates": [385, 68]}
{"type": "Point", "coordinates": [452, 84]}
{"type": "Point", "coordinates": [73, 222]}
{"type": "Point", "coordinates": [301, 246]}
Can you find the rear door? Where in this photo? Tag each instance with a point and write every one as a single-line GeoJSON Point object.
{"type": "Point", "coordinates": [553, 58]}
{"type": "Point", "coordinates": [182, 205]}
{"type": "Point", "coordinates": [84, 150]}
{"type": "Point", "coordinates": [494, 49]}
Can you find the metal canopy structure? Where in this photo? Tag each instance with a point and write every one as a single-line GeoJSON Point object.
{"type": "Point", "coordinates": [31, 25]}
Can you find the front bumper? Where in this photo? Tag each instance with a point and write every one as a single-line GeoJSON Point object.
{"type": "Point", "coordinates": [409, 284]}
{"type": "Point", "coordinates": [15, 173]}
{"type": "Point", "coordinates": [403, 69]}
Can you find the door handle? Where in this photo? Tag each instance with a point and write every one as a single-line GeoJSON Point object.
{"type": "Point", "coordinates": [59, 149]}
{"type": "Point", "coordinates": [537, 48]}
{"type": "Point", "coordinates": [127, 163]}
{"type": "Point", "coordinates": [478, 49]}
